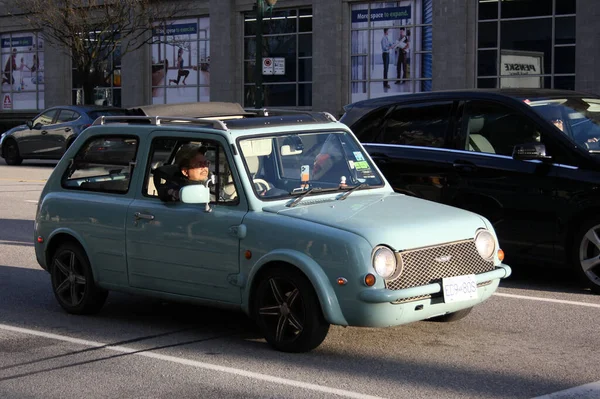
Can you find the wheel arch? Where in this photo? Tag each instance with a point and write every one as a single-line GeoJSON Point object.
{"type": "Point", "coordinates": [57, 239]}
{"type": "Point", "coordinates": [309, 268]}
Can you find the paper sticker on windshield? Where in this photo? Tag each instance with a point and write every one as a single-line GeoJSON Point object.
{"type": "Point", "coordinates": [351, 164]}
{"type": "Point", "coordinates": [358, 156]}
{"type": "Point", "coordinates": [361, 165]}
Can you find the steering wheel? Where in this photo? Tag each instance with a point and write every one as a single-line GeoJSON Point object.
{"type": "Point", "coordinates": [262, 184]}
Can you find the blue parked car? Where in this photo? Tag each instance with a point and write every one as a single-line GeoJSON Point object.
{"type": "Point", "coordinates": [288, 220]}
{"type": "Point", "coordinates": [49, 134]}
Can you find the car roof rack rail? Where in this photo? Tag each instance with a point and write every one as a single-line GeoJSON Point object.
{"type": "Point", "coordinates": [284, 111]}
{"type": "Point", "coordinates": [158, 120]}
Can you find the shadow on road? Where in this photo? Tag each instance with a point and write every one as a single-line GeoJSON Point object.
{"type": "Point", "coordinates": [16, 232]}
{"type": "Point", "coordinates": [132, 320]}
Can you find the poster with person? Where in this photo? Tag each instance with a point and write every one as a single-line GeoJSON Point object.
{"type": "Point", "coordinates": [181, 61]}
{"type": "Point", "coordinates": [22, 70]}
{"type": "Point", "coordinates": [384, 38]}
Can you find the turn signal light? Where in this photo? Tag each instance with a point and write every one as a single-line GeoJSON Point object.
{"type": "Point", "coordinates": [501, 255]}
{"type": "Point", "coordinates": [370, 280]}
{"type": "Point", "coordinates": [40, 239]}
{"type": "Point", "coordinates": [248, 254]}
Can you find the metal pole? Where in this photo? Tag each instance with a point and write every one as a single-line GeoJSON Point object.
{"type": "Point", "coordinates": [258, 97]}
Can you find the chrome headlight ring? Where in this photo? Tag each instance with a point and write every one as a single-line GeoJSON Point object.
{"type": "Point", "coordinates": [386, 263]}
{"type": "Point", "coordinates": [485, 244]}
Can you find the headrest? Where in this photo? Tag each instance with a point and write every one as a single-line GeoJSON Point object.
{"type": "Point", "coordinates": [476, 124]}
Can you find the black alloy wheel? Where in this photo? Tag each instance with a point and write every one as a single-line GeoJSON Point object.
{"type": "Point", "coordinates": [287, 311]}
{"type": "Point", "coordinates": [12, 156]}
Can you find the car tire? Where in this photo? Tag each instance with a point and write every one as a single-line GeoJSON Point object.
{"type": "Point", "coordinates": [12, 156]}
{"type": "Point", "coordinates": [73, 282]}
{"type": "Point", "coordinates": [585, 254]}
{"type": "Point", "coordinates": [450, 317]}
{"type": "Point", "coordinates": [287, 311]}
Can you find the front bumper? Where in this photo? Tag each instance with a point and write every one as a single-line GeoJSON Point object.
{"type": "Point", "coordinates": [385, 295]}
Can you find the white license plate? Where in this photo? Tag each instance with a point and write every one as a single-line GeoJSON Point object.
{"type": "Point", "coordinates": [459, 288]}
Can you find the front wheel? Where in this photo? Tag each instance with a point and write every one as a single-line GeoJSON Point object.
{"type": "Point", "coordinates": [12, 156]}
{"type": "Point", "coordinates": [73, 282]}
{"type": "Point", "coordinates": [287, 311]}
{"type": "Point", "coordinates": [586, 255]}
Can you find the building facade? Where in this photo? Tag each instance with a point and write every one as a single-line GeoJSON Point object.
{"type": "Point", "coordinates": [319, 54]}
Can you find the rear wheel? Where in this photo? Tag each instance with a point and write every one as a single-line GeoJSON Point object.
{"type": "Point", "coordinates": [287, 311]}
{"type": "Point", "coordinates": [454, 316]}
{"type": "Point", "coordinates": [586, 255]}
{"type": "Point", "coordinates": [73, 282]}
{"type": "Point", "coordinates": [12, 156]}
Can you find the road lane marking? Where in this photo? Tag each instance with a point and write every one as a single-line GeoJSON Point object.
{"type": "Point", "coordinates": [193, 363]}
{"type": "Point", "coordinates": [587, 391]}
{"type": "Point", "coordinates": [535, 298]}
{"type": "Point", "coordinates": [32, 201]}
{"type": "Point", "coordinates": [24, 180]}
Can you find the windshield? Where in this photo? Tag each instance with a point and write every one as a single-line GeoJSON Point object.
{"type": "Point", "coordinates": [285, 165]}
{"type": "Point", "coordinates": [577, 117]}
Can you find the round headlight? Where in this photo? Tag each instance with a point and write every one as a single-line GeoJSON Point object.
{"type": "Point", "coordinates": [485, 243]}
{"type": "Point", "coordinates": [384, 262]}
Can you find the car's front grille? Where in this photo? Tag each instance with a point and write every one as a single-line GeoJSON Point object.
{"type": "Point", "coordinates": [428, 265]}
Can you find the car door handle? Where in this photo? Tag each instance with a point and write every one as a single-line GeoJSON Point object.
{"type": "Point", "coordinates": [145, 216]}
{"type": "Point", "coordinates": [464, 166]}
{"type": "Point", "coordinates": [44, 132]}
{"type": "Point", "coordinates": [67, 129]}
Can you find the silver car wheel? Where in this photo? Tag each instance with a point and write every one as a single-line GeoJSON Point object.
{"type": "Point", "coordinates": [589, 255]}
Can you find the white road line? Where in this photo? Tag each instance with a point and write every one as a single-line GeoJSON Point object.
{"type": "Point", "coordinates": [535, 298]}
{"type": "Point", "coordinates": [193, 363]}
{"type": "Point", "coordinates": [32, 201]}
{"type": "Point", "coordinates": [587, 391]}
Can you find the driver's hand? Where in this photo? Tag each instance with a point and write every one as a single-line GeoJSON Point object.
{"type": "Point", "coordinates": [592, 140]}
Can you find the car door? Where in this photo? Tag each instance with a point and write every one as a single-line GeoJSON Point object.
{"type": "Point", "coordinates": [184, 249]}
{"type": "Point", "coordinates": [517, 196]}
{"type": "Point", "coordinates": [411, 148]}
{"type": "Point", "coordinates": [55, 141]}
{"type": "Point", "coordinates": [31, 141]}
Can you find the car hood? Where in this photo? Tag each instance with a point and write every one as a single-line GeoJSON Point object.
{"type": "Point", "coordinates": [14, 129]}
{"type": "Point", "coordinates": [397, 220]}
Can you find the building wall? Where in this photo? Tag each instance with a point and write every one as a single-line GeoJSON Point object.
{"type": "Point", "coordinates": [454, 46]}
{"type": "Point", "coordinates": [587, 52]}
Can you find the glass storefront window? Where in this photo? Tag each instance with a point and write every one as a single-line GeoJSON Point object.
{"type": "Point", "coordinates": [105, 79]}
{"type": "Point", "coordinates": [536, 47]}
{"type": "Point", "coordinates": [181, 61]}
{"type": "Point", "coordinates": [390, 48]}
{"type": "Point", "coordinates": [23, 71]}
{"type": "Point", "coordinates": [287, 37]}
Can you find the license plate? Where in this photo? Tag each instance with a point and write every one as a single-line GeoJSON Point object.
{"type": "Point", "coordinates": [459, 288]}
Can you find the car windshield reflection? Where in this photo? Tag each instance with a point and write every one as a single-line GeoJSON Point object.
{"type": "Point", "coordinates": [289, 165]}
{"type": "Point", "coordinates": [577, 117]}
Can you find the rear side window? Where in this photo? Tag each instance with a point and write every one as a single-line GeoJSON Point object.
{"type": "Point", "coordinates": [66, 115]}
{"type": "Point", "coordinates": [368, 128]}
{"type": "Point", "coordinates": [418, 124]}
{"type": "Point", "coordinates": [103, 164]}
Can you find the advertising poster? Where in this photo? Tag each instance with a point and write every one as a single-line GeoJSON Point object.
{"type": "Point", "coordinates": [383, 42]}
{"type": "Point", "coordinates": [518, 65]}
{"type": "Point", "coordinates": [22, 71]}
{"type": "Point", "coordinates": [181, 62]}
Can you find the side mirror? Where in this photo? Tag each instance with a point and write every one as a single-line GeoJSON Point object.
{"type": "Point", "coordinates": [529, 151]}
{"type": "Point", "coordinates": [30, 124]}
{"type": "Point", "coordinates": [195, 194]}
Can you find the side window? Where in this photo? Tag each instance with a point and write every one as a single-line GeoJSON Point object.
{"type": "Point", "coordinates": [66, 115]}
{"type": "Point", "coordinates": [495, 128]}
{"type": "Point", "coordinates": [46, 118]}
{"type": "Point", "coordinates": [103, 164]}
{"type": "Point", "coordinates": [369, 126]}
{"type": "Point", "coordinates": [164, 177]}
{"type": "Point", "coordinates": [418, 124]}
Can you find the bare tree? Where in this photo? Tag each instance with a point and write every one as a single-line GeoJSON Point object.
{"type": "Point", "coordinates": [91, 32]}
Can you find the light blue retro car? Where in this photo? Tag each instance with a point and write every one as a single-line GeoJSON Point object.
{"type": "Point", "coordinates": [283, 216]}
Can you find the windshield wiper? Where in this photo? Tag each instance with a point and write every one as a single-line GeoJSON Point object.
{"type": "Point", "coordinates": [347, 193]}
{"type": "Point", "coordinates": [309, 191]}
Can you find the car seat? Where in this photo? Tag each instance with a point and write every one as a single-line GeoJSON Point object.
{"type": "Point", "coordinates": [476, 141]}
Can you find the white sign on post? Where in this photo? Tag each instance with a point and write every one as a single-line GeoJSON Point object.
{"type": "Point", "coordinates": [267, 66]}
{"type": "Point", "coordinates": [515, 66]}
{"type": "Point", "coordinates": [279, 66]}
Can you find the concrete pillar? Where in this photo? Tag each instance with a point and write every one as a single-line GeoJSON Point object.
{"type": "Point", "coordinates": [224, 51]}
{"type": "Point", "coordinates": [58, 72]}
{"type": "Point", "coordinates": [328, 63]}
{"type": "Point", "coordinates": [454, 44]}
{"type": "Point", "coordinates": [587, 50]}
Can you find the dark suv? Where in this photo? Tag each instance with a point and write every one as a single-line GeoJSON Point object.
{"type": "Point", "coordinates": [527, 159]}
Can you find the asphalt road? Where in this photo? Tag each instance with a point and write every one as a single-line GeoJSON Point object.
{"type": "Point", "coordinates": [537, 336]}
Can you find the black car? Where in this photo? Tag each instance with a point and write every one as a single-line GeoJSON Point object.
{"type": "Point", "coordinates": [527, 159]}
{"type": "Point", "coordinates": [49, 134]}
